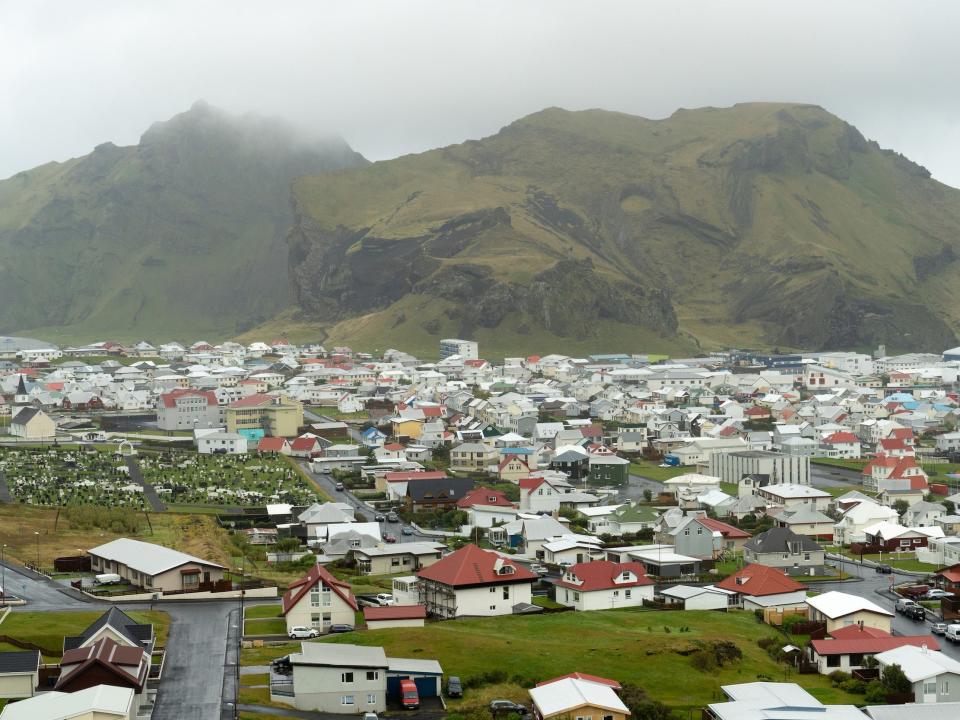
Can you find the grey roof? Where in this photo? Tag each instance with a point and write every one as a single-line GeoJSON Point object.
{"type": "Point", "coordinates": [775, 540]}
{"type": "Point", "coordinates": [146, 557]}
{"type": "Point", "coordinates": [19, 661]}
{"type": "Point", "coordinates": [25, 415]}
{"type": "Point", "coordinates": [443, 489]}
{"type": "Point", "coordinates": [914, 711]}
{"type": "Point", "coordinates": [340, 655]}
{"type": "Point", "coordinates": [139, 634]}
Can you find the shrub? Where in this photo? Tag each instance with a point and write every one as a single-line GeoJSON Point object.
{"type": "Point", "coordinates": [838, 676]}
{"type": "Point", "coordinates": [853, 686]}
{"type": "Point", "coordinates": [875, 693]}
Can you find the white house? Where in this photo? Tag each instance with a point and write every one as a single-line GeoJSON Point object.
{"type": "Point", "coordinates": [221, 442]}
{"type": "Point", "coordinates": [935, 676]}
{"type": "Point", "coordinates": [603, 585]}
{"type": "Point", "coordinates": [318, 600]}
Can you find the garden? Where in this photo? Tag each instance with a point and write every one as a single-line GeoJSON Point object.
{"type": "Point", "coordinates": [231, 480]}
{"type": "Point", "coordinates": [68, 477]}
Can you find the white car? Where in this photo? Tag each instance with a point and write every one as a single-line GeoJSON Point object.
{"type": "Point", "coordinates": [384, 599]}
{"type": "Point", "coordinates": [299, 632]}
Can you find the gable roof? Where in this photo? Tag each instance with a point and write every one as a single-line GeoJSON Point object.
{"type": "Point", "coordinates": [271, 444]}
{"type": "Point", "coordinates": [758, 581]}
{"type": "Point", "coordinates": [472, 566]}
{"type": "Point", "coordinates": [414, 475]}
{"type": "Point", "coordinates": [395, 612]}
{"type": "Point", "coordinates": [146, 557]}
{"type": "Point", "coordinates": [779, 540]}
{"type": "Point", "coordinates": [566, 694]}
{"type": "Point", "coordinates": [129, 665]}
{"type": "Point", "coordinates": [727, 531]}
{"type": "Point", "coordinates": [872, 644]}
{"type": "Point", "coordinates": [19, 661]}
{"type": "Point", "coordinates": [316, 574]}
{"type": "Point", "coordinates": [835, 604]}
{"type": "Point", "coordinates": [107, 699]}
{"type": "Point", "coordinates": [139, 634]}
{"type": "Point", "coordinates": [484, 496]}
{"type": "Point", "coordinates": [601, 574]}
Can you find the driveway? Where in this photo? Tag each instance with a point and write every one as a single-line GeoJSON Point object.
{"type": "Point", "coordinates": [40, 593]}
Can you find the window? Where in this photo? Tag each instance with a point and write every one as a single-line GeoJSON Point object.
{"type": "Point", "coordinates": [506, 592]}
{"type": "Point", "coordinates": [346, 700]}
{"type": "Point", "coordinates": [327, 620]}
{"type": "Point", "coordinates": [373, 674]}
{"type": "Point", "coordinates": [493, 607]}
{"type": "Point", "coordinates": [493, 589]}
{"type": "Point", "coordinates": [315, 620]}
{"type": "Point", "coordinates": [627, 594]}
{"type": "Point", "coordinates": [945, 687]}
{"type": "Point", "coordinates": [346, 677]}
{"type": "Point", "coordinates": [930, 687]}
{"type": "Point", "coordinates": [806, 556]}
{"type": "Point", "coordinates": [371, 698]}
{"type": "Point", "coordinates": [315, 597]}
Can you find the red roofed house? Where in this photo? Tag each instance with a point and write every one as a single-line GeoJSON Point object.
{"type": "Point", "coordinates": [886, 472]}
{"type": "Point", "coordinates": [583, 676]}
{"type": "Point", "coordinates": [894, 447]}
{"type": "Point", "coordinates": [274, 445]}
{"type": "Point", "coordinates": [182, 409]}
{"type": "Point", "coordinates": [538, 495]}
{"type": "Point", "coordinates": [948, 578]}
{"type": "Point", "coordinates": [759, 587]}
{"type": "Point", "coordinates": [393, 616]}
{"type": "Point", "coordinates": [474, 582]}
{"type": "Point", "coordinates": [484, 496]}
{"type": "Point", "coordinates": [306, 446]}
{"type": "Point", "coordinates": [318, 600]}
{"type": "Point", "coordinates": [757, 413]}
{"type": "Point", "coordinates": [603, 584]}
{"type": "Point", "coordinates": [105, 663]}
{"type": "Point", "coordinates": [902, 433]}
{"type": "Point", "coordinates": [843, 445]}
{"type": "Point", "coordinates": [850, 648]}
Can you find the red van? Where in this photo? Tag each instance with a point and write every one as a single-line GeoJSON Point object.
{"type": "Point", "coordinates": [408, 695]}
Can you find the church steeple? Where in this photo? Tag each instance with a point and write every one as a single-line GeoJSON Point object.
{"type": "Point", "coordinates": [21, 397]}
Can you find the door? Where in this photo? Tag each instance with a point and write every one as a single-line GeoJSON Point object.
{"type": "Point", "coordinates": [426, 686]}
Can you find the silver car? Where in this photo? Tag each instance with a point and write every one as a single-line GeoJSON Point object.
{"type": "Point", "coordinates": [939, 628]}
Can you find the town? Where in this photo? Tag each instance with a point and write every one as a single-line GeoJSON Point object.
{"type": "Point", "coordinates": [258, 530]}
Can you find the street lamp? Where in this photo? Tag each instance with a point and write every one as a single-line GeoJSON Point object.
{"type": "Point", "coordinates": [3, 571]}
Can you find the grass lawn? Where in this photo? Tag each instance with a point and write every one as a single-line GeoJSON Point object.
{"type": "Point", "coordinates": [857, 465]}
{"type": "Point", "coordinates": [334, 413]}
{"type": "Point", "coordinates": [253, 612]}
{"type": "Point", "coordinates": [653, 471]}
{"type": "Point", "coordinates": [47, 629]}
{"type": "Point", "coordinates": [642, 647]}
{"type": "Point", "coordinates": [901, 563]}
{"type": "Point", "coordinates": [265, 626]}
{"type": "Point", "coordinates": [730, 489]}
{"type": "Point", "coordinates": [194, 534]}
{"type": "Point", "coordinates": [258, 679]}
{"type": "Point", "coordinates": [259, 696]}
{"type": "Point", "coordinates": [546, 602]}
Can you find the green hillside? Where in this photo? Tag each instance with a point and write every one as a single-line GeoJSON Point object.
{"type": "Point", "coordinates": [180, 236]}
{"type": "Point", "coordinates": [758, 225]}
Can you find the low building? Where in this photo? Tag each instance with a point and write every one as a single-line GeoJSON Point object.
{"type": "Point", "coordinates": [837, 609]}
{"type": "Point", "coordinates": [394, 616]}
{"type": "Point", "coordinates": [350, 679]}
{"type": "Point", "coordinates": [604, 585]}
{"type": "Point", "coordinates": [99, 702]}
{"type": "Point", "coordinates": [318, 600]}
{"type": "Point", "coordinates": [402, 557]}
{"type": "Point", "coordinates": [852, 647]}
{"type": "Point", "coordinates": [935, 677]}
{"type": "Point", "coordinates": [761, 700]}
{"type": "Point", "coordinates": [154, 567]}
{"type": "Point", "coordinates": [780, 547]}
{"type": "Point", "coordinates": [222, 443]}
{"type": "Point", "coordinates": [31, 423]}
{"type": "Point", "coordinates": [472, 581]}
{"type": "Point", "coordinates": [696, 597]}
{"type": "Point", "coordinates": [19, 673]}
{"type": "Point", "coordinates": [580, 696]}
{"type": "Point", "coordinates": [758, 587]}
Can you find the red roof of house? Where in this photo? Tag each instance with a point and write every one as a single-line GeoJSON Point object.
{"type": "Point", "coordinates": [271, 444]}
{"type": "Point", "coordinates": [759, 580]}
{"type": "Point", "coordinates": [251, 381]}
{"type": "Point", "coordinates": [54, 386]}
{"type": "Point", "coordinates": [434, 411]}
{"type": "Point", "coordinates": [471, 565]}
{"type": "Point", "coordinates": [600, 575]}
{"type": "Point", "coordinates": [170, 399]}
{"type": "Point", "coordinates": [728, 531]}
{"type": "Point", "coordinates": [727, 431]}
{"type": "Point", "coordinates": [902, 433]}
{"type": "Point", "coordinates": [841, 437]}
{"type": "Point", "coordinates": [303, 443]}
{"type": "Point", "coordinates": [395, 612]}
{"type": "Point", "coordinates": [583, 676]}
{"type": "Point", "coordinates": [951, 573]}
{"type": "Point", "coordinates": [484, 496]}
{"type": "Point", "coordinates": [530, 484]}
{"type": "Point", "coordinates": [856, 632]}
{"type": "Point", "coordinates": [893, 444]}
{"type": "Point", "coordinates": [475, 363]}
{"type": "Point", "coordinates": [756, 411]}
{"type": "Point", "coordinates": [255, 400]}
{"type": "Point", "coordinates": [413, 475]}
{"type": "Point", "coordinates": [869, 644]}
{"type": "Point", "coordinates": [125, 661]}
{"type": "Point", "coordinates": [394, 447]}
{"type": "Point", "coordinates": [317, 574]}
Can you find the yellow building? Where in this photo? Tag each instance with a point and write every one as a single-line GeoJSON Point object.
{"type": "Point", "coordinates": [410, 429]}
{"type": "Point", "coordinates": [838, 610]}
{"type": "Point", "coordinates": [276, 415]}
{"type": "Point", "coordinates": [32, 423]}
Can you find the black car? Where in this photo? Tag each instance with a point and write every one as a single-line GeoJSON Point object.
{"type": "Point", "coordinates": [380, 518]}
{"type": "Point", "coordinates": [885, 569]}
{"type": "Point", "coordinates": [341, 628]}
{"type": "Point", "coordinates": [506, 706]}
{"type": "Point", "coordinates": [454, 687]}
{"type": "Point", "coordinates": [915, 612]}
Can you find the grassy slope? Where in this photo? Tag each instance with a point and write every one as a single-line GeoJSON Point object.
{"type": "Point", "coordinates": [629, 646]}
{"type": "Point", "coordinates": [817, 216]}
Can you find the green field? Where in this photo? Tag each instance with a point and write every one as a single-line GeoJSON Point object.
{"type": "Point", "coordinates": [653, 471]}
{"type": "Point", "coordinates": [636, 646]}
{"type": "Point", "coordinates": [253, 612]}
{"type": "Point", "coordinates": [46, 630]}
{"type": "Point", "coordinates": [265, 626]}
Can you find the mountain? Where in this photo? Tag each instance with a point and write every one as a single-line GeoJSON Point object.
{"type": "Point", "coordinates": [180, 236]}
{"type": "Point", "coordinates": [761, 225]}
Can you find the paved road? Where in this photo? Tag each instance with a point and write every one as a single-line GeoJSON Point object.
{"type": "Point", "coordinates": [149, 491]}
{"type": "Point", "coordinates": [351, 431]}
{"type": "Point", "coordinates": [827, 476]}
{"type": "Point", "coordinates": [40, 593]}
{"type": "Point", "coordinates": [874, 587]}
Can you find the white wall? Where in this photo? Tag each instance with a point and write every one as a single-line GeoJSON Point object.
{"type": "Point", "coordinates": [481, 601]}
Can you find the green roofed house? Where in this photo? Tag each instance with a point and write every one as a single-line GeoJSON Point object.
{"type": "Point", "coordinates": [633, 518]}
{"type": "Point", "coordinates": [609, 470]}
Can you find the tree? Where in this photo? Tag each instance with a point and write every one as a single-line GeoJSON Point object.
{"type": "Point", "coordinates": [951, 508]}
{"type": "Point", "coordinates": [901, 506]}
{"type": "Point", "coordinates": [647, 495]}
{"type": "Point", "coordinates": [895, 680]}
{"type": "Point", "coordinates": [641, 706]}
{"type": "Point", "coordinates": [288, 544]}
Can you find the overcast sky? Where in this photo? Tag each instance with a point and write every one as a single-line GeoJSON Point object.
{"type": "Point", "coordinates": [398, 76]}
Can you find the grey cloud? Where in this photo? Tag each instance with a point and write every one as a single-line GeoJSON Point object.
{"type": "Point", "coordinates": [400, 77]}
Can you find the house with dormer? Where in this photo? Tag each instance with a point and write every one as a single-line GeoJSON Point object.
{"type": "Point", "coordinates": [474, 582]}
{"type": "Point", "coordinates": [603, 585]}
{"type": "Point", "coordinates": [318, 600]}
